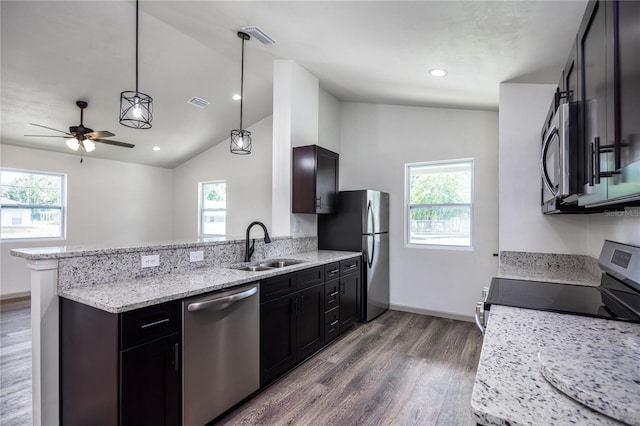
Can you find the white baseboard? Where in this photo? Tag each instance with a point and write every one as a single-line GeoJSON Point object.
{"type": "Point", "coordinates": [11, 296]}
{"type": "Point", "coordinates": [421, 311]}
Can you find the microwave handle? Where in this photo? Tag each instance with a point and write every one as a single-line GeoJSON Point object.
{"type": "Point", "coordinates": [543, 162]}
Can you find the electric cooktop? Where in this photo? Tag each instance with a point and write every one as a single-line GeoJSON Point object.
{"type": "Point", "coordinates": [617, 297]}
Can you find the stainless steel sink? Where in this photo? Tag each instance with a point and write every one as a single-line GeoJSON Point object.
{"type": "Point", "coordinates": [279, 263]}
{"type": "Point", "coordinates": [267, 265]}
{"type": "Point", "coordinates": [253, 268]}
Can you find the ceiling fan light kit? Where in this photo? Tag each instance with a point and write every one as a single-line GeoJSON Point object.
{"type": "Point", "coordinates": [136, 108]}
{"type": "Point", "coordinates": [240, 138]}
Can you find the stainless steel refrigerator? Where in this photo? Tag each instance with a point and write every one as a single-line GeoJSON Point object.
{"type": "Point", "coordinates": [362, 224]}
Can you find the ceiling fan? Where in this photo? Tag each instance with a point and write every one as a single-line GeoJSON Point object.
{"type": "Point", "coordinates": [81, 136]}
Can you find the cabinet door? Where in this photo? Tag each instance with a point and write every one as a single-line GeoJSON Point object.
{"type": "Point", "coordinates": [326, 181]}
{"type": "Point", "coordinates": [597, 99]}
{"type": "Point", "coordinates": [277, 337]}
{"type": "Point", "coordinates": [349, 312]}
{"type": "Point", "coordinates": [627, 151]}
{"type": "Point", "coordinates": [150, 383]}
{"type": "Point", "coordinates": [310, 320]}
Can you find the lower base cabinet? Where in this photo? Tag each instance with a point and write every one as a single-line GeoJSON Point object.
{"type": "Point", "coordinates": [120, 369]}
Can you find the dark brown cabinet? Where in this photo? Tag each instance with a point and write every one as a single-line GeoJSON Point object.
{"type": "Point", "coordinates": [349, 293]}
{"type": "Point", "coordinates": [120, 368]}
{"type": "Point", "coordinates": [608, 48]}
{"type": "Point", "coordinates": [292, 325]}
{"type": "Point", "coordinates": [150, 383]}
{"type": "Point", "coordinates": [315, 180]}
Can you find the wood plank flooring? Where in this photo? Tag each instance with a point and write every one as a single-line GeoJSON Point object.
{"type": "Point", "coordinates": [401, 369]}
{"type": "Point", "coordinates": [15, 365]}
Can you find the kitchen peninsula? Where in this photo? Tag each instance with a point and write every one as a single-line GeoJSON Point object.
{"type": "Point", "coordinates": [113, 280]}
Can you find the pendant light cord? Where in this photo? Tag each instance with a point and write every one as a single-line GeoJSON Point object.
{"type": "Point", "coordinates": [241, 82]}
{"type": "Point", "coordinates": [136, 47]}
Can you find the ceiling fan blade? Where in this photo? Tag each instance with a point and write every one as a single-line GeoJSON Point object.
{"type": "Point", "coordinates": [51, 128]}
{"type": "Point", "coordinates": [49, 136]}
{"type": "Point", "coordinates": [116, 143]}
{"type": "Point", "coordinates": [99, 134]}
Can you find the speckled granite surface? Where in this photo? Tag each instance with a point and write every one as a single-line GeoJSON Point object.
{"type": "Point", "coordinates": [509, 386]}
{"type": "Point", "coordinates": [603, 373]}
{"type": "Point", "coordinates": [134, 293]}
{"type": "Point", "coordinates": [559, 268]}
{"type": "Point", "coordinates": [90, 266]}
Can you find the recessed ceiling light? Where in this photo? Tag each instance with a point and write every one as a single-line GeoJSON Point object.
{"type": "Point", "coordinates": [156, 148]}
{"type": "Point", "coordinates": [436, 72]}
{"type": "Point", "coordinates": [236, 97]}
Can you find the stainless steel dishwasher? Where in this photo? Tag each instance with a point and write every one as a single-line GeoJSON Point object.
{"type": "Point", "coordinates": [220, 352]}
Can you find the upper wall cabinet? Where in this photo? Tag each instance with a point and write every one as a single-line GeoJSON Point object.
{"type": "Point", "coordinates": [609, 65]}
{"type": "Point", "coordinates": [315, 180]}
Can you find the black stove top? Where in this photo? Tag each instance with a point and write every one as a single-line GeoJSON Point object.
{"type": "Point", "coordinates": [610, 300]}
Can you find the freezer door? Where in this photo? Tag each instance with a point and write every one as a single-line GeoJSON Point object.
{"type": "Point", "coordinates": [376, 212]}
{"type": "Point", "coordinates": [376, 275]}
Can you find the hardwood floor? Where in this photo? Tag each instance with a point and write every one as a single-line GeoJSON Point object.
{"type": "Point", "coordinates": [15, 365]}
{"type": "Point", "coordinates": [401, 369]}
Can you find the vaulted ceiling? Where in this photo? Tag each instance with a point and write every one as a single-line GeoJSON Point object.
{"type": "Point", "coordinates": [56, 52]}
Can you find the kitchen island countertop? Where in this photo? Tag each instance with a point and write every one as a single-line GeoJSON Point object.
{"type": "Point", "coordinates": [509, 386]}
{"type": "Point", "coordinates": [126, 295]}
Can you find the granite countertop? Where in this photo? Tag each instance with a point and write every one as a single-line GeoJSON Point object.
{"type": "Point", "coordinates": [510, 387]}
{"type": "Point", "coordinates": [126, 295]}
{"type": "Point", "coordinates": [550, 267]}
{"type": "Point", "coordinates": [62, 252]}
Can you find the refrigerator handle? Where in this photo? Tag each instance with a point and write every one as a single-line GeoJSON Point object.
{"type": "Point", "coordinates": [373, 217]}
{"type": "Point", "coordinates": [373, 246]}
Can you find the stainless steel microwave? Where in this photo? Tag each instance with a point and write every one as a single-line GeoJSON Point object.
{"type": "Point", "coordinates": [559, 160]}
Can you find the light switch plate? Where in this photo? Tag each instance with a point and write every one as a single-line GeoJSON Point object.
{"type": "Point", "coordinates": [151, 261]}
{"type": "Point", "coordinates": [196, 256]}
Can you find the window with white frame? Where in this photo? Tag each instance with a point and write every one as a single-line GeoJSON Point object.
{"type": "Point", "coordinates": [439, 203]}
{"type": "Point", "coordinates": [213, 208]}
{"type": "Point", "coordinates": [32, 204]}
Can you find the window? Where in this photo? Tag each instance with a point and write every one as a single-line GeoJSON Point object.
{"type": "Point", "coordinates": [32, 204]}
{"type": "Point", "coordinates": [213, 208]}
{"type": "Point", "coordinates": [439, 203]}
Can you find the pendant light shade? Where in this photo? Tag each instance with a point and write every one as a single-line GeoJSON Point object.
{"type": "Point", "coordinates": [240, 138]}
{"type": "Point", "coordinates": [136, 108]}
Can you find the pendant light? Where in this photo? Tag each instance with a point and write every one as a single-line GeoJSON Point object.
{"type": "Point", "coordinates": [240, 138]}
{"type": "Point", "coordinates": [136, 108]}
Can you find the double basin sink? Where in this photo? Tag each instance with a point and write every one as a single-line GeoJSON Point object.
{"type": "Point", "coordinates": [267, 265]}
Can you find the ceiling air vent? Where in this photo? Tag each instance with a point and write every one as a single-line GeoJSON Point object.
{"type": "Point", "coordinates": [259, 35]}
{"type": "Point", "coordinates": [198, 102]}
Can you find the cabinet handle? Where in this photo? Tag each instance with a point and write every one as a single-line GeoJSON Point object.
{"type": "Point", "coordinates": [153, 324]}
{"type": "Point", "coordinates": [335, 271]}
{"type": "Point", "coordinates": [596, 160]}
{"type": "Point", "coordinates": [342, 287]}
{"type": "Point", "coordinates": [319, 202]}
{"type": "Point", "coordinates": [355, 265]}
{"type": "Point", "coordinates": [175, 357]}
{"type": "Point", "coordinates": [333, 324]}
{"type": "Point", "coordinates": [334, 294]}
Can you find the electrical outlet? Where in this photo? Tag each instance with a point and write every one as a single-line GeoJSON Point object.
{"type": "Point", "coordinates": [196, 256]}
{"type": "Point", "coordinates": [150, 261]}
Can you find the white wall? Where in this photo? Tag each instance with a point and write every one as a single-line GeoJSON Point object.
{"type": "Point", "coordinates": [248, 179]}
{"type": "Point", "coordinates": [295, 123]}
{"type": "Point", "coordinates": [622, 226]}
{"type": "Point", "coordinates": [329, 121]}
{"type": "Point", "coordinates": [376, 142]}
{"type": "Point", "coordinates": [108, 202]}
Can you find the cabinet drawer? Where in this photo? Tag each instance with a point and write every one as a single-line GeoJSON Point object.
{"type": "Point", "coordinates": [310, 277]}
{"type": "Point", "coordinates": [331, 294]}
{"type": "Point", "coordinates": [331, 325]}
{"type": "Point", "coordinates": [277, 286]}
{"type": "Point", "coordinates": [331, 271]}
{"type": "Point", "coordinates": [350, 265]}
{"type": "Point", "coordinates": [146, 324]}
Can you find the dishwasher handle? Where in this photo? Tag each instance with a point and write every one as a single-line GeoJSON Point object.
{"type": "Point", "coordinates": [221, 302]}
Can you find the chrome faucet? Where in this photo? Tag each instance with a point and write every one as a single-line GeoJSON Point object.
{"type": "Point", "coordinates": [248, 251]}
